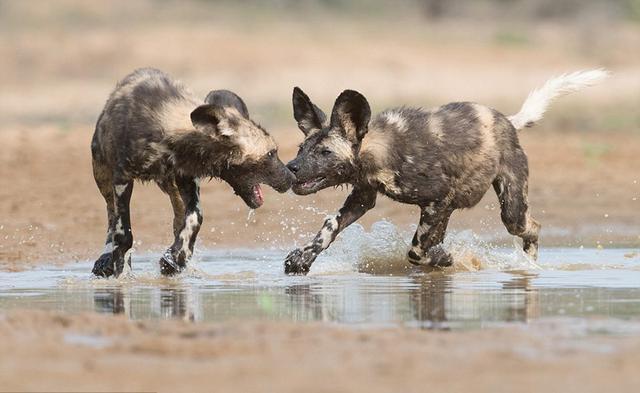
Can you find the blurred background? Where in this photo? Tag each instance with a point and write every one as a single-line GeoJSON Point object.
{"type": "Point", "coordinates": [61, 59]}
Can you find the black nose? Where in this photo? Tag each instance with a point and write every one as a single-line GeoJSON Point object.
{"type": "Point", "coordinates": [293, 166]}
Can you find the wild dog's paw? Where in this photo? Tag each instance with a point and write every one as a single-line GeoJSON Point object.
{"type": "Point", "coordinates": [298, 262]}
{"type": "Point", "coordinates": [168, 264]}
{"type": "Point", "coordinates": [438, 257]}
{"type": "Point", "coordinates": [103, 267]}
{"type": "Point", "coordinates": [415, 256]}
{"type": "Point", "coordinates": [434, 257]}
{"type": "Point", "coordinates": [531, 249]}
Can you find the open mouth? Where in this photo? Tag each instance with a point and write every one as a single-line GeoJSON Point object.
{"type": "Point", "coordinates": [309, 186]}
{"type": "Point", "coordinates": [252, 196]}
{"type": "Point", "coordinates": [258, 197]}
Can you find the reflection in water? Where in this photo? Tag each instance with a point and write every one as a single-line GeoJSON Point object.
{"type": "Point", "coordinates": [165, 303]}
{"type": "Point", "coordinates": [428, 300]}
{"type": "Point", "coordinates": [111, 301]}
{"type": "Point", "coordinates": [435, 300]}
{"type": "Point", "coordinates": [526, 305]}
{"type": "Point", "coordinates": [177, 303]}
{"type": "Point", "coordinates": [577, 284]}
{"type": "Point", "coordinates": [301, 297]}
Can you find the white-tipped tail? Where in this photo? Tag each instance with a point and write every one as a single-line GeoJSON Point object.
{"type": "Point", "coordinates": [538, 100]}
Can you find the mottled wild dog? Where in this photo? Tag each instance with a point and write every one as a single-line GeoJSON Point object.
{"type": "Point", "coordinates": [153, 129]}
{"type": "Point", "coordinates": [441, 159]}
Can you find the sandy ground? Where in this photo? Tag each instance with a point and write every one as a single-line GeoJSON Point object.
{"type": "Point", "coordinates": [103, 353]}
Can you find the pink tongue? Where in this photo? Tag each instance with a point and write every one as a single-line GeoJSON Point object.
{"type": "Point", "coordinates": [258, 191]}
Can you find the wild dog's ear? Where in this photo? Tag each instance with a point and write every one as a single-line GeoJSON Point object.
{"type": "Point", "coordinates": [209, 117]}
{"type": "Point", "coordinates": [351, 113]}
{"type": "Point", "coordinates": [229, 99]}
{"type": "Point", "coordinates": [308, 116]}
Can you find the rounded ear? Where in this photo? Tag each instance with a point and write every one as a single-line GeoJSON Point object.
{"type": "Point", "coordinates": [351, 113]}
{"type": "Point", "coordinates": [204, 115]}
{"type": "Point", "coordinates": [308, 116]}
{"type": "Point", "coordinates": [208, 117]}
{"type": "Point", "coordinates": [229, 99]}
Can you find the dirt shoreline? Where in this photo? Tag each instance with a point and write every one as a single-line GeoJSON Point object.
{"type": "Point", "coordinates": [90, 352]}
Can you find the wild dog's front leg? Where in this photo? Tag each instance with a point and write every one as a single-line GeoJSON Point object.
{"type": "Point", "coordinates": [425, 246]}
{"type": "Point", "coordinates": [103, 266]}
{"type": "Point", "coordinates": [122, 235]}
{"type": "Point", "coordinates": [359, 202]}
{"type": "Point", "coordinates": [176, 257]}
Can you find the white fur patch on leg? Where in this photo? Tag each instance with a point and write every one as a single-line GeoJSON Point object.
{"type": "Point", "coordinates": [120, 189]}
{"type": "Point", "coordinates": [328, 229]}
{"type": "Point", "coordinates": [190, 226]}
{"type": "Point", "coordinates": [418, 251]}
{"type": "Point", "coordinates": [532, 226]}
{"type": "Point", "coordinates": [422, 229]}
{"type": "Point", "coordinates": [126, 270]}
{"type": "Point", "coordinates": [119, 228]}
{"type": "Point", "coordinates": [108, 248]}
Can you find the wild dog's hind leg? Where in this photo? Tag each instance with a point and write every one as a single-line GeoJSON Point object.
{"type": "Point", "coordinates": [426, 246]}
{"type": "Point", "coordinates": [511, 185]}
{"type": "Point", "coordinates": [176, 257]}
{"type": "Point", "coordinates": [169, 187]}
{"type": "Point", "coordinates": [358, 202]}
{"type": "Point", "coordinates": [103, 267]}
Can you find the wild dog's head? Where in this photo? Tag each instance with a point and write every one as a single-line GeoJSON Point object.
{"type": "Point", "coordinates": [327, 156]}
{"type": "Point", "coordinates": [251, 153]}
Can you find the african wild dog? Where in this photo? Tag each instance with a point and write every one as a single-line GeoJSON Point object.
{"type": "Point", "coordinates": [153, 128]}
{"type": "Point", "coordinates": [441, 159]}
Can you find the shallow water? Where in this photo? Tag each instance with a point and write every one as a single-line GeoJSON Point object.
{"type": "Point", "coordinates": [363, 281]}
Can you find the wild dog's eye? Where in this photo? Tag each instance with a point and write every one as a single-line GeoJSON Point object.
{"type": "Point", "coordinates": [325, 152]}
{"type": "Point", "coordinates": [272, 153]}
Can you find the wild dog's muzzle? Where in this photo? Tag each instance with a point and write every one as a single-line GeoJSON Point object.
{"type": "Point", "coordinates": [283, 181]}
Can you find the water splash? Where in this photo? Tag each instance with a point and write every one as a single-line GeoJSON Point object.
{"type": "Point", "coordinates": [379, 251]}
{"type": "Point", "coordinates": [250, 216]}
{"type": "Point", "coordinates": [471, 253]}
{"type": "Point", "coordinates": [383, 250]}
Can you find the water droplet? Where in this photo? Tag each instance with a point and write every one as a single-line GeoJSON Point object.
{"type": "Point", "coordinates": [251, 214]}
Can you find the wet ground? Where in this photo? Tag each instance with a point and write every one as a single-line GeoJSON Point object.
{"type": "Point", "coordinates": [489, 287]}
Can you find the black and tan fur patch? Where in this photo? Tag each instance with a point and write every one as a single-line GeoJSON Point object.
{"type": "Point", "coordinates": [441, 159]}
{"type": "Point", "coordinates": [153, 129]}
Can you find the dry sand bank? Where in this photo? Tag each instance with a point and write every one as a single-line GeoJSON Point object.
{"type": "Point", "coordinates": [44, 351]}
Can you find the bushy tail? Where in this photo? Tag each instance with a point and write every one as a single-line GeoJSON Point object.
{"type": "Point", "coordinates": [539, 99]}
